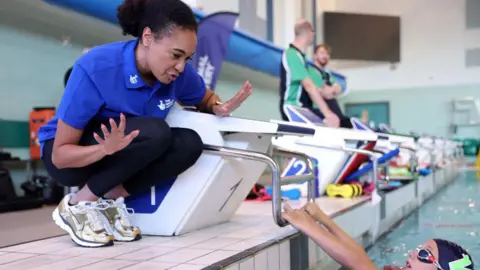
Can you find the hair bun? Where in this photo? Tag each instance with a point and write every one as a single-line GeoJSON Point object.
{"type": "Point", "coordinates": [130, 15]}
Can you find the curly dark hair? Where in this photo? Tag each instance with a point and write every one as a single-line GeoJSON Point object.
{"type": "Point", "coordinates": [161, 16]}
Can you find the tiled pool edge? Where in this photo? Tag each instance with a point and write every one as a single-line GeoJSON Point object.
{"type": "Point", "coordinates": [297, 241]}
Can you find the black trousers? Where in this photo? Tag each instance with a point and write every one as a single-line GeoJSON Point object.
{"type": "Point", "coordinates": [332, 105]}
{"type": "Point", "coordinates": [335, 108]}
{"type": "Point", "coordinates": [157, 154]}
{"type": "Point", "coordinates": [344, 120]}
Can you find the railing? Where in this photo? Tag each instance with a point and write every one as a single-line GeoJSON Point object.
{"type": "Point", "coordinates": [413, 158]}
{"type": "Point", "coordinates": [277, 180]}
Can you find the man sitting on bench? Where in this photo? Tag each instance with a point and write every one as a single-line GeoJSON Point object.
{"type": "Point", "coordinates": [324, 80]}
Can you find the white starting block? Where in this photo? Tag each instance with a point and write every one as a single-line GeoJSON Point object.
{"type": "Point", "coordinates": [439, 151]}
{"type": "Point", "coordinates": [211, 191]}
{"type": "Point", "coordinates": [384, 143]}
{"type": "Point", "coordinates": [426, 151]}
{"type": "Point", "coordinates": [450, 150]}
{"type": "Point", "coordinates": [388, 142]}
{"type": "Point", "coordinates": [327, 148]}
{"type": "Point", "coordinates": [436, 148]}
{"type": "Point", "coordinates": [406, 145]}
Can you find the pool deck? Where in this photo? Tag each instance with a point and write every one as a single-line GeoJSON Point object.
{"type": "Point", "coordinates": [250, 240]}
{"type": "Point", "coordinates": [251, 226]}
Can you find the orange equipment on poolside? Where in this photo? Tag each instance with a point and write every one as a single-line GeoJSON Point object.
{"type": "Point", "coordinates": [38, 117]}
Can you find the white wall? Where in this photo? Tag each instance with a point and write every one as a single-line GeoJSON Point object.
{"type": "Point", "coordinates": [262, 104]}
{"type": "Point", "coordinates": [323, 5]}
{"type": "Point", "coordinates": [433, 43]}
{"type": "Point", "coordinates": [286, 14]}
{"type": "Point", "coordinates": [31, 71]}
{"type": "Point", "coordinates": [191, 3]}
{"type": "Point", "coordinates": [211, 6]}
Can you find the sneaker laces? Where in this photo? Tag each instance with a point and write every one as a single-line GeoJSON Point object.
{"type": "Point", "coordinates": [91, 210]}
{"type": "Point", "coordinates": [125, 213]}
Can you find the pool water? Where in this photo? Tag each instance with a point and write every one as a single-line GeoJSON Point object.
{"type": "Point", "coordinates": [452, 214]}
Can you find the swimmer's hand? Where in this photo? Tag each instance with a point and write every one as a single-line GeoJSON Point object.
{"type": "Point", "coordinates": [226, 108]}
{"type": "Point", "coordinates": [115, 140]}
{"type": "Point", "coordinates": [313, 210]}
{"type": "Point", "coordinates": [299, 219]}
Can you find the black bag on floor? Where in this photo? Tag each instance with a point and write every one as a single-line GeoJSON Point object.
{"type": "Point", "coordinates": [43, 187]}
{"type": "Point", "coordinates": [7, 190]}
{"type": "Point", "coordinates": [9, 201]}
{"type": "Point", "coordinates": [52, 192]}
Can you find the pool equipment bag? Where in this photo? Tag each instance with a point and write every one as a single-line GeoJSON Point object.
{"type": "Point", "coordinates": [43, 187]}
{"type": "Point", "coordinates": [9, 201]}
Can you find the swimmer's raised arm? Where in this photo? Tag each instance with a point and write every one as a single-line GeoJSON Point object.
{"type": "Point", "coordinates": [339, 251]}
{"type": "Point", "coordinates": [344, 254]}
{"type": "Point", "coordinates": [320, 216]}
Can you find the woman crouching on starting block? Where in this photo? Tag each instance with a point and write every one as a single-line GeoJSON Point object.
{"type": "Point", "coordinates": [109, 135]}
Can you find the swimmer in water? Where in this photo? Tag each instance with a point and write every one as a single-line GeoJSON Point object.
{"type": "Point", "coordinates": [432, 255]}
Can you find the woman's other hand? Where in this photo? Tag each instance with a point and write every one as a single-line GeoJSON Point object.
{"type": "Point", "coordinates": [225, 109]}
{"type": "Point", "coordinates": [115, 139]}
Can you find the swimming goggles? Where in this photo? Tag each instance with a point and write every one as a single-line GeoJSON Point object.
{"type": "Point", "coordinates": [425, 256]}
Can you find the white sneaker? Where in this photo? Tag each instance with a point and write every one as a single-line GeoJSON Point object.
{"type": "Point", "coordinates": [120, 219]}
{"type": "Point", "coordinates": [84, 222]}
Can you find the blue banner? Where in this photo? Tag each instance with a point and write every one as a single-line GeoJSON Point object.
{"type": "Point", "coordinates": [214, 33]}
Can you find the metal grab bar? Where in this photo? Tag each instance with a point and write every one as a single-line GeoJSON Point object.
{"type": "Point", "coordinates": [374, 162]}
{"type": "Point", "coordinates": [276, 179]}
{"type": "Point", "coordinates": [413, 158]}
{"type": "Point", "coordinates": [310, 176]}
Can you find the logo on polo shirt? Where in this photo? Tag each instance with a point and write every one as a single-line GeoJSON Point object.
{"type": "Point", "coordinates": [133, 79]}
{"type": "Point", "coordinates": [206, 70]}
{"type": "Point", "coordinates": [165, 104]}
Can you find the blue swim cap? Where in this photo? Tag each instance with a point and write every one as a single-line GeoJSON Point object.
{"type": "Point", "coordinates": [452, 256]}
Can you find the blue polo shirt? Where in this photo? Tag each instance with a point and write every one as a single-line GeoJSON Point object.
{"type": "Point", "coordinates": [105, 82]}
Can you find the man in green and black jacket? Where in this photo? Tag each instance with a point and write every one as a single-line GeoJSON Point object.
{"type": "Point", "coordinates": [296, 85]}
